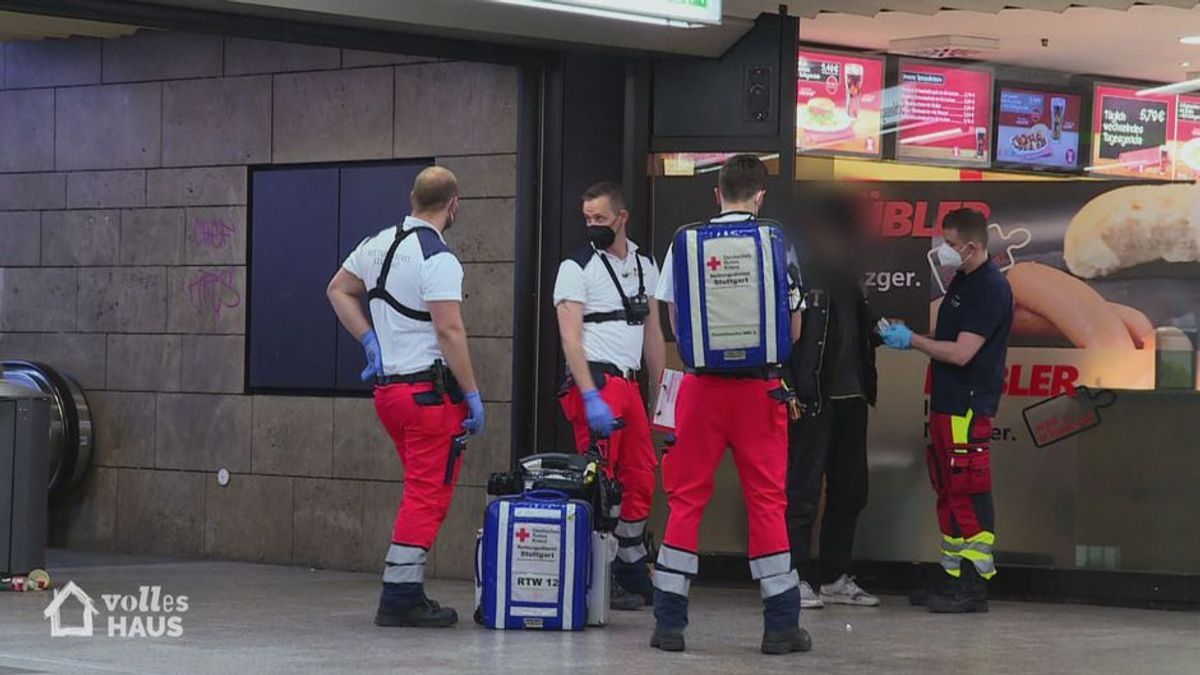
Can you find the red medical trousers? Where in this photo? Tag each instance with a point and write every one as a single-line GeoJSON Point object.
{"type": "Point", "coordinates": [960, 469]}
{"type": "Point", "coordinates": [711, 414]}
{"type": "Point", "coordinates": [423, 428]}
{"type": "Point", "coordinates": [630, 450]}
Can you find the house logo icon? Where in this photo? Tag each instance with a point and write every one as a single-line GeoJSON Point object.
{"type": "Point", "coordinates": [54, 611]}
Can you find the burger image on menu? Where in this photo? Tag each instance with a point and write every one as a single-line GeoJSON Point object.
{"type": "Point", "coordinates": [821, 121]}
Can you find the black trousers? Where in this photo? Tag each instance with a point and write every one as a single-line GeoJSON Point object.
{"type": "Point", "coordinates": [832, 446]}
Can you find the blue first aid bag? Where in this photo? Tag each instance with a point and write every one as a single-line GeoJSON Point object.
{"type": "Point", "coordinates": [534, 561]}
{"type": "Point", "coordinates": [731, 294]}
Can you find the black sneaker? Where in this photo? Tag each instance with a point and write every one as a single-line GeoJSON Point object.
{"type": "Point", "coordinates": [423, 613]}
{"type": "Point", "coordinates": [786, 642]}
{"type": "Point", "coordinates": [624, 601]}
{"type": "Point", "coordinates": [667, 639]}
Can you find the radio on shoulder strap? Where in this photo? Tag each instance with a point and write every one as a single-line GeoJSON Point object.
{"type": "Point", "coordinates": [634, 310]}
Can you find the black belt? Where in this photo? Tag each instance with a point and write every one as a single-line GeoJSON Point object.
{"type": "Point", "coordinates": [610, 369]}
{"type": "Point", "coordinates": [760, 373]}
{"type": "Point", "coordinates": [410, 378]}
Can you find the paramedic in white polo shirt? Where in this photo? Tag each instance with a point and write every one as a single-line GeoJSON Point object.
{"type": "Point", "coordinates": [608, 320]}
{"type": "Point", "coordinates": [425, 391]}
{"type": "Point", "coordinates": [744, 410]}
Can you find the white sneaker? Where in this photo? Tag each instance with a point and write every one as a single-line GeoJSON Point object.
{"type": "Point", "coordinates": [809, 598]}
{"type": "Point", "coordinates": [845, 592]}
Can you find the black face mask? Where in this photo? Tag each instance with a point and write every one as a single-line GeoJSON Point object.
{"type": "Point", "coordinates": [601, 237]}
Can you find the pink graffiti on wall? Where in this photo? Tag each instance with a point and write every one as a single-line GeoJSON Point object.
{"type": "Point", "coordinates": [214, 291]}
{"type": "Point", "coordinates": [213, 233]}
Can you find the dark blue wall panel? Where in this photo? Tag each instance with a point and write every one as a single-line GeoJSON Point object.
{"type": "Point", "coordinates": [293, 254]}
{"type": "Point", "coordinates": [372, 198]}
{"type": "Point", "coordinates": [304, 222]}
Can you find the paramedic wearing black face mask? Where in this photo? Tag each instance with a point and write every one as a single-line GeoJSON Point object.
{"type": "Point", "coordinates": [967, 350]}
{"type": "Point", "coordinates": [608, 322]}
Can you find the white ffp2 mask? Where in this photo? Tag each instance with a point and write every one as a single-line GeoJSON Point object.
{"type": "Point", "coordinates": [947, 256]}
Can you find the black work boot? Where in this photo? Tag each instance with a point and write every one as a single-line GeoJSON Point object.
{"type": "Point", "coordinates": [782, 633]}
{"type": "Point", "coordinates": [785, 642]}
{"type": "Point", "coordinates": [624, 601]}
{"type": "Point", "coordinates": [977, 589]}
{"type": "Point", "coordinates": [962, 595]}
{"type": "Point", "coordinates": [406, 605]}
{"type": "Point", "coordinates": [935, 583]}
{"type": "Point", "coordinates": [670, 614]}
{"type": "Point", "coordinates": [635, 578]}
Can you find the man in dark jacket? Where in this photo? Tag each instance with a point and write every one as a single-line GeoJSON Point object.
{"type": "Point", "coordinates": [833, 372]}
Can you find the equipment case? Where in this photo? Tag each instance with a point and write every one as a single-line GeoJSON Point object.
{"type": "Point", "coordinates": [534, 562]}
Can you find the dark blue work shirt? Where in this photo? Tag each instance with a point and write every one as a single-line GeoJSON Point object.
{"type": "Point", "coordinates": [981, 303]}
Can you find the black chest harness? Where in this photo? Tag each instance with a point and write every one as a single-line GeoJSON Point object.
{"type": "Point", "coordinates": [635, 309]}
{"type": "Point", "coordinates": [380, 291]}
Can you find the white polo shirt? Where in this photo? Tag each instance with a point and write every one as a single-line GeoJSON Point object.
{"type": "Point", "coordinates": [423, 270]}
{"type": "Point", "coordinates": [582, 278]}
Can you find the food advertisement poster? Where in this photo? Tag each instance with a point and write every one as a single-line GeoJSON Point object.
{"type": "Point", "coordinates": [838, 104]}
{"type": "Point", "coordinates": [945, 114]}
{"type": "Point", "coordinates": [1105, 277]}
{"type": "Point", "coordinates": [1132, 135]}
{"type": "Point", "coordinates": [1038, 129]}
{"type": "Point", "coordinates": [1186, 144]}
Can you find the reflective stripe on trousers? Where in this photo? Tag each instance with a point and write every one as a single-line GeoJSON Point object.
{"type": "Point", "coordinates": [631, 547]}
{"type": "Point", "coordinates": [674, 569]}
{"type": "Point", "coordinates": [404, 565]}
{"type": "Point", "coordinates": [977, 549]}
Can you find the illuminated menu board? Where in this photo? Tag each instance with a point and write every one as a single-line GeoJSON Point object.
{"type": "Point", "coordinates": [945, 114]}
{"type": "Point", "coordinates": [1186, 146]}
{"type": "Point", "coordinates": [1133, 135]}
{"type": "Point", "coordinates": [1038, 129]}
{"type": "Point", "coordinates": [838, 104]}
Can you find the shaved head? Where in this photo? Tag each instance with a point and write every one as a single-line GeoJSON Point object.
{"type": "Point", "coordinates": [433, 189]}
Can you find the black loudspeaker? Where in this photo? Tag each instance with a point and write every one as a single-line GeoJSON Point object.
{"type": "Point", "coordinates": [757, 94]}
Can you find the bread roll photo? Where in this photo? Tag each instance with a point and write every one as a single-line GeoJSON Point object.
{"type": "Point", "coordinates": [1051, 304]}
{"type": "Point", "coordinates": [1133, 225]}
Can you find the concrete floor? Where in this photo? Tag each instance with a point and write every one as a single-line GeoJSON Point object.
{"type": "Point", "coordinates": [247, 618]}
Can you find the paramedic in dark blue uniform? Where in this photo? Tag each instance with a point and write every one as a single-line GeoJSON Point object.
{"type": "Point", "coordinates": [607, 321]}
{"type": "Point", "coordinates": [425, 391]}
{"type": "Point", "coordinates": [967, 349]}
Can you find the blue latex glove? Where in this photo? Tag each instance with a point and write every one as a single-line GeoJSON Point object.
{"type": "Point", "coordinates": [599, 415]}
{"type": "Point", "coordinates": [370, 343]}
{"type": "Point", "coordinates": [474, 422]}
{"type": "Point", "coordinates": [897, 336]}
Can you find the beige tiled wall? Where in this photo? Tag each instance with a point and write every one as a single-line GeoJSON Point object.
{"type": "Point", "coordinates": [114, 151]}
